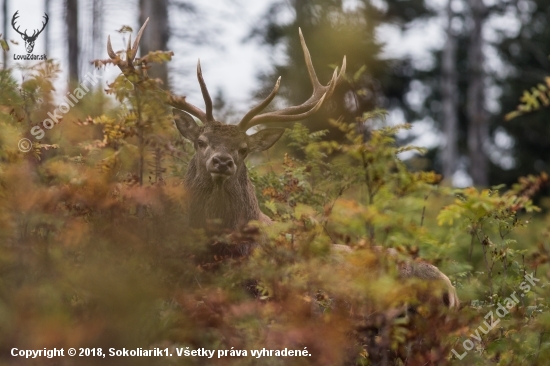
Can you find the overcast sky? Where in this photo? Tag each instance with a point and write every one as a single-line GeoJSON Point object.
{"type": "Point", "coordinates": [228, 62]}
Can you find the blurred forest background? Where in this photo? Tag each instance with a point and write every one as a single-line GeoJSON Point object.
{"type": "Point", "coordinates": [457, 91]}
{"type": "Point", "coordinates": [93, 252]}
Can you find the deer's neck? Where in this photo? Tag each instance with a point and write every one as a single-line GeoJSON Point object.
{"type": "Point", "coordinates": [231, 203]}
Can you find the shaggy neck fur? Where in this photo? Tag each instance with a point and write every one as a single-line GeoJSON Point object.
{"type": "Point", "coordinates": [228, 204]}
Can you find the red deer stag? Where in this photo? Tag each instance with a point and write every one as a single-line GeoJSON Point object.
{"type": "Point", "coordinates": [217, 179]}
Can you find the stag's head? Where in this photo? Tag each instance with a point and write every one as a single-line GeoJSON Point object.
{"type": "Point", "coordinates": [221, 148]}
{"type": "Point", "coordinates": [29, 40]}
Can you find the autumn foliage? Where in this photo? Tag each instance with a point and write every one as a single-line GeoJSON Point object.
{"type": "Point", "coordinates": [94, 253]}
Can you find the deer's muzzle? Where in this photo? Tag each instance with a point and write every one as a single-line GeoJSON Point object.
{"type": "Point", "coordinates": [221, 166]}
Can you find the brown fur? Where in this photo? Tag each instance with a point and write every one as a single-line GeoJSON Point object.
{"type": "Point", "coordinates": [416, 269]}
{"type": "Point", "coordinates": [232, 203]}
{"type": "Point", "coordinates": [225, 201]}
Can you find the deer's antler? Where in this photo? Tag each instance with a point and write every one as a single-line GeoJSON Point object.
{"type": "Point", "coordinates": [179, 102]}
{"type": "Point", "coordinates": [304, 110]}
{"type": "Point", "coordinates": [13, 19]}
{"type": "Point", "coordinates": [252, 118]}
{"type": "Point", "coordinates": [36, 31]}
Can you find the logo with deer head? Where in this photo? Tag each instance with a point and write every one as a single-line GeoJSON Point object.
{"type": "Point", "coordinates": [29, 39]}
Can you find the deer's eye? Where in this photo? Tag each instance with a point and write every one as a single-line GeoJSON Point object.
{"type": "Point", "coordinates": [243, 150]}
{"type": "Point", "coordinates": [201, 144]}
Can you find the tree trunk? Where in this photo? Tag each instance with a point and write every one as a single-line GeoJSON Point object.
{"type": "Point", "coordinates": [449, 91]}
{"type": "Point", "coordinates": [71, 22]}
{"type": "Point", "coordinates": [5, 31]}
{"type": "Point", "coordinates": [47, 32]}
{"type": "Point", "coordinates": [97, 29]}
{"type": "Point", "coordinates": [156, 37]}
{"type": "Point", "coordinates": [478, 124]}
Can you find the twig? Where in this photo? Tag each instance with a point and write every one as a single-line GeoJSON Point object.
{"type": "Point", "coordinates": [424, 209]}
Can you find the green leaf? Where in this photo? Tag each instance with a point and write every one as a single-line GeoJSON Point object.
{"type": "Point", "coordinates": [271, 206]}
{"type": "Point", "coordinates": [4, 45]}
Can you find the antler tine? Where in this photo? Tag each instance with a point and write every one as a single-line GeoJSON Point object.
{"type": "Point", "coordinates": [110, 51]}
{"type": "Point", "coordinates": [205, 94]}
{"type": "Point", "coordinates": [129, 56]}
{"type": "Point", "coordinates": [180, 103]}
{"type": "Point", "coordinates": [13, 19]}
{"type": "Point", "coordinates": [278, 116]}
{"type": "Point", "coordinates": [138, 39]}
{"type": "Point", "coordinates": [131, 50]}
{"type": "Point", "coordinates": [329, 89]}
{"type": "Point", "coordinates": [260, 107]}
{"type": "Point", "coordinates": [342, 71]}
{"type": "Point", "coordinates": [45, 16]}
{"type": "Point", "coordinates": [311, 106]}
{"type": "Point", "coordinates": [304, 110]}
{"type": "Point", "coordinates": [309, 64]}
{"type": "Point", "coordinates": [331, 86]}
{"type": "Point", "coordinates": [175, 101]}
{"type": "Point", "coordinates": [296, 113]}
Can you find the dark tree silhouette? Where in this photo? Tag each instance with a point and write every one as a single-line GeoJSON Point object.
{"type": "Point", "coordinates": [157, 35]}
{"type": "Point", "coordinates": [73, 48]}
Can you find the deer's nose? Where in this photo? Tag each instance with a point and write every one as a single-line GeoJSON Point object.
{"type": "Point", "coordinates": [222, 163]}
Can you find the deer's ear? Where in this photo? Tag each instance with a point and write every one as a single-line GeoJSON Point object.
{"type": "Point", "coordinates": [264, 139]}
{"type": "Point", "coordinates": [186, 125]}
